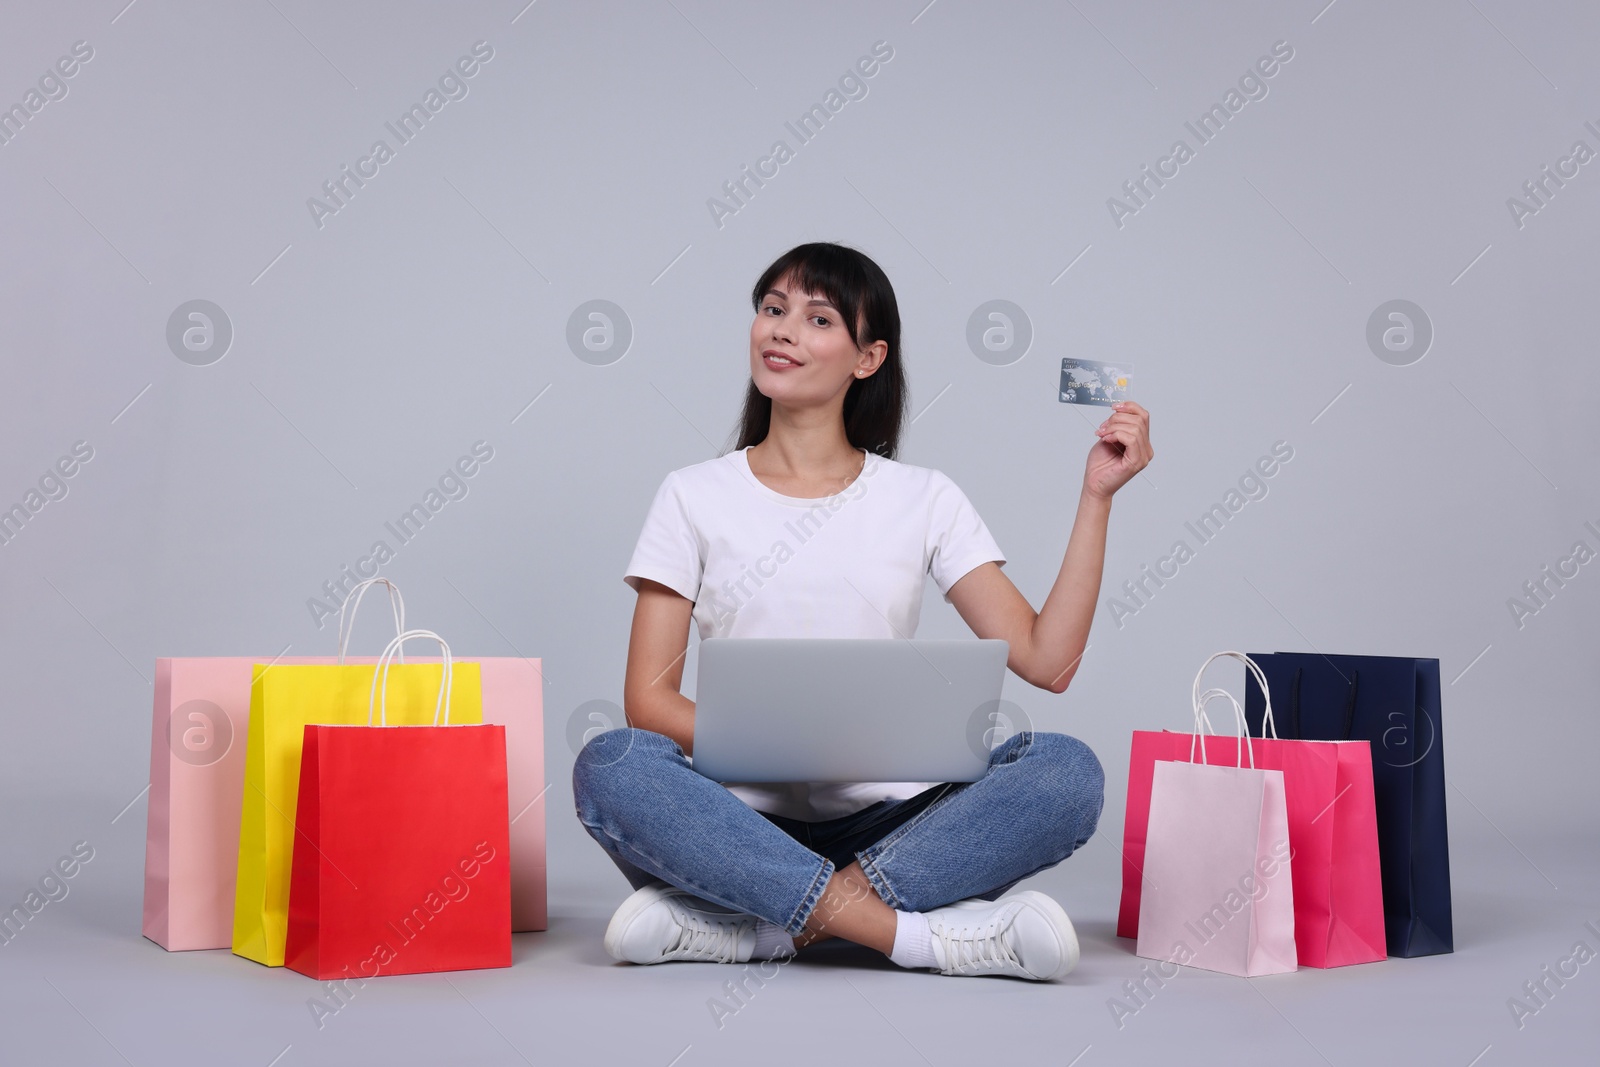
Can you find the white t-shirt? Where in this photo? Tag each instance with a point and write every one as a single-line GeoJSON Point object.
{"type": "Point", "coordinates": [757, 563]}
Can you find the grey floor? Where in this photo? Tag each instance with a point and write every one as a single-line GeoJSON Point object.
{"type": "Point", "coordinates": [80, 986]}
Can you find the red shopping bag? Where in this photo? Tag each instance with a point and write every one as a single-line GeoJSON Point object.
{"type": "Point", "coordinates": [401, 858]}
{"type": "Point", "coordinates": [1333, 833]}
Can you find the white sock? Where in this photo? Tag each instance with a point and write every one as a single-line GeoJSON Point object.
{"type": "Point", "coordinates": [913, 943]}
{"type": "Point", "coordinates": [772, 942]}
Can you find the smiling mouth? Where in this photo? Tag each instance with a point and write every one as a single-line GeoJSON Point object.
{"type": "Point", "coordinates": [774, 360]}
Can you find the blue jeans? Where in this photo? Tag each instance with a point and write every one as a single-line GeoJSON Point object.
{"type": "Point", "coordinates": [661, 821]}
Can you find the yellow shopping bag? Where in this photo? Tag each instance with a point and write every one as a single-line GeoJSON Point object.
{"type": "Point", "coordinates": [284, 698]}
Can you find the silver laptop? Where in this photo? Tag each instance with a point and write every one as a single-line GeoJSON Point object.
{"type": "Point", "coordinates": [845, 710]}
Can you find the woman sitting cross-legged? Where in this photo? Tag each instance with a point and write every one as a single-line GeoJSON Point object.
{"type": "Point", "coordinates": [916, 870]}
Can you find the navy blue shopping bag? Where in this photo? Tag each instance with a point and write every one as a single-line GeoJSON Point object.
{"type": "Point", "coordinates": [1393, 703]}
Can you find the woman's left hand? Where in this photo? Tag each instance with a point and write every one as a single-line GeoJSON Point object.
{"type": "Point", "coordinates": [1122, 451]}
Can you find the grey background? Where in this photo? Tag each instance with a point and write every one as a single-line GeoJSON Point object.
{"type": "Point", "coordinates": [426, 315]}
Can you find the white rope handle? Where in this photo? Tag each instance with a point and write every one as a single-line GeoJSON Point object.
{"type": "Point", "coordinates": [383, 664]}
{"type": "Point", "coordinates": [1200, 717]}
{"type": "Point", "coordinates": [397, 608]}
{"type": "Point", "coordinates": [1269, 728]}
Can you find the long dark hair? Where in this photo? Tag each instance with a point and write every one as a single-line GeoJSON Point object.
{"type": "Point", "coordinates": [874, 406]}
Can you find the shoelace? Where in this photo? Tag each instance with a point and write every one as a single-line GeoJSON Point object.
{"type": "Point", "coordinates": [983, 947]}
{"type": "Point", "coordinates": [700, 938]}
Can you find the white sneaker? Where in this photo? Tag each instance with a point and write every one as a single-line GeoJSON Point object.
{"type": "Point", "coordinates": [660, 923]}
{"type": "Point", "coordinates": [1025, 935]}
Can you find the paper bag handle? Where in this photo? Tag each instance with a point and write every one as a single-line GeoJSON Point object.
{"type": "Point", "coordinates": [443, 706]}
{"type": "Point", "coordinates": [1201, 718]}
{"type": "Point", "coordinates": [397, 608]}
{"type": "Point", "coordinates": [1269, 728]}
{"type": "Point", "coordinates": [1349, 704]}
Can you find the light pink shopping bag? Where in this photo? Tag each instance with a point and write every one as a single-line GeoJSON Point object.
{"type": "Point", "coordinates": [200, 725]}
{"type": "Point", "coordinates": [197, 744]}
{"type": "Point", "coordinates": [197, 785]}
{"type": "Point", "coordinates": [513, 697]}
{"type": "Point", "coordinates": [1218, 890]}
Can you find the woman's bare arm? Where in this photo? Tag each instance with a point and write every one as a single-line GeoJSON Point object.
{"type": "Point", "coordinates": [1047, 646]}
{"type": "Point", "coordinates": [656, 650]}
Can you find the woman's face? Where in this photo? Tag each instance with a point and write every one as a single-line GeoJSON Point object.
{"type": "Point", "coordinates": [800, 351]}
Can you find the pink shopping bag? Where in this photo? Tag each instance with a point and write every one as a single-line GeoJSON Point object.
{"type": "Point", "coordinates": [200, 724]}
{"type": "Point", "coordinates": [198, 734]}
{"type": "Point", "coordinates": [197, 748]}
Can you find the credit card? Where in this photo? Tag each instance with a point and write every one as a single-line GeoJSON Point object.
{"type": "Point", "coordinates": [1084, 381]}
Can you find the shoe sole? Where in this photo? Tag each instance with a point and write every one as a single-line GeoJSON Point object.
{"type": "Point", "coordinates": [631, 909]}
